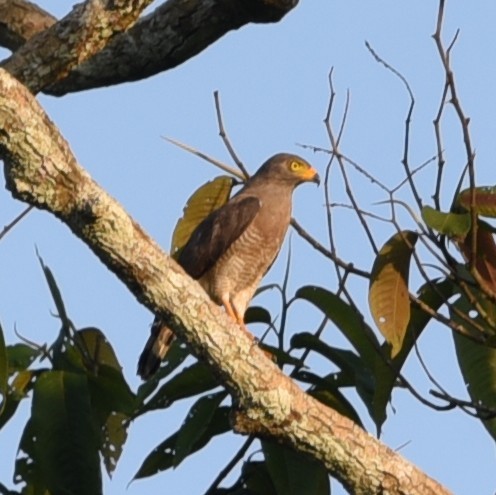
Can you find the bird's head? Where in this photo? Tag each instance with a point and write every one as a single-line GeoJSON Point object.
{"type": "Point", "coordinates": [288, 168]}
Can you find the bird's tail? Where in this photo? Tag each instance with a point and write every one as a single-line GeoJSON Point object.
{"type": "Point", "coordinates": [155, 349]}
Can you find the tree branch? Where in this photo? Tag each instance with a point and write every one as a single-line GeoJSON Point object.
{"type": "Point", "coordinates": [20, 20]}
{"type": "Point", "coordinates": [40, 169]}
{"type": "Point", "coordinates": [172, 34]}
{"type": "Point", "coordinates": [51, 54]}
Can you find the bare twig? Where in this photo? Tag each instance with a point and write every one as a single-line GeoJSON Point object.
{"type": "Point", "coordinates": [408, 119]}
{"type": "Point", "coordinates": [481, 412]}
{"type": "Point", "coordinates": [444, 54]}
{"type": "Point", "coordinates": [412, 173]}
{"type": "Point", "coordinates": [447, 321]}
{"type": "Point", "coordinates": [42, 349]}
{"type": "Point", "coordinates": [213, 161]}
{"type": "Point", "coordinates": [284, 311]}
{"type": "Point", "coordinates": [319, 247]}
{"type": "Point", "coordinates": [306, 352]}
{"type": "Point", "coordinates": [230, 466]}
{"type": "Point", "coordinates": [347, 159]}
{"type": "Point", "coordinates": [225, 138]}
{"type": "Point", "coordinates": [440, 152]}
{"type": "Point", "coordinates": [327, 192]}
{"type": "Point", "coordinates": [14, 222]}
{"type": "Point", "coordinates": [335, 149]}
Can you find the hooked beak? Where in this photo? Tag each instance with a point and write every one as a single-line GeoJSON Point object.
{"type": "Point", "coordinates": [312, 176]}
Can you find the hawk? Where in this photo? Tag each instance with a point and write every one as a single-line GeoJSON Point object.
{"type": "Point", "coordinates": [232, 249]}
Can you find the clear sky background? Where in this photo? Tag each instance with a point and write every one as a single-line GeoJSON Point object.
{"type": "Point", "coordinates": [273, 82]}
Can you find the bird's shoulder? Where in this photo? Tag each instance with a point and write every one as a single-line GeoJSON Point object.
{"type": "Point", "coordinates": [213, 237]}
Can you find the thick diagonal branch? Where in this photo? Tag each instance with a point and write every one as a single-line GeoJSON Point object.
{"type": "Point", "coordinates": [51, 54]}
{"type": "Point", "coordinates": [40, 169]}
{"type": "Point", "coordinates": [170, 35]}
{"type": "Point", "coordinates": [20, 20]}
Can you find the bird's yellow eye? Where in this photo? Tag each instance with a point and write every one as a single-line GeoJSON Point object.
{"type": "Point", "coordinates": [296, 165]}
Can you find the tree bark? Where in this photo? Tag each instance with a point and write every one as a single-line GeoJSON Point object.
{"type": "Point", "coordinates": [51, 54]}
{"type": "Point", "coordinates": [173, 33]}
{"type": "Point", "coordinates": [19, 21]}
{"type": "Point", "coordinates": [41, 170]}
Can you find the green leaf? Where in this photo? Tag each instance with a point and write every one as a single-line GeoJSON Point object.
{"type": "Point", "coordinates": [110, 392]}
{"type": "Point", "coordinates": [112, 400]}
{"type": "Point", "coordinates": [257, 314]}
{"type": "Point", "coordinates": [5, 491]}
{"type": "Point", "coordinates": [254, 480]}
{"type": "Point", "coordinates": [202, 202]}
{"type": "Point", "coordinates": [27, 470]}
{"type": "Point", "coordinates": [193, 380]}
{"type": "Point", "coordinates": [326, 390]}
{"type": "Point", "coordinates": [4, 366]}
{"type": "Point", "coordinates": [361, 336]}
{"type": "Point", "coordinates": [18, 390]}
{"type": "Point", "coordinates": [478, 366]}
{"type": "Point", "coordinates": [333, 398]}
{"type": "Point", "coordinates": [162, 456]}
{"type": "Point", "coordinates": [195, 424]}
{"type": "Point", "coordinates": [281, 357]}
{"type": "Point", "coordinates": [61, 360]}
{"type": "Point", "coordinates": [114, 437]}
{"type": "Point", "coordinates": [20, 356]}
{"type": "Point", "coordinates": [346, 318]}
{"type": "Point", "coordinates": [389, 299]}
{"type": "Point", "coordinates": [477, 362]}
{"type": "Point", "coordinates": [351, 365]}
{"type": "Point", "coordinates": [485, 256]}
{"type": "Point", "coordinates": [346, 360]}
{"type": "Point", "coordinates": [485, 200]}
{"type": "Point", "coordinates": [177, 353]}
{"type": "Point", "coordinates": [293, 473]}
{"type": "Point", "coordinates": [108, 387]}
{"type": "Point", "coordinates": [98, 348]}
{"type": "Point", "coordinates": [63, 437]}
{"type": "Point", "coordinates": [450, 224]}
{"type": "Point", "coordinates": [54, 290]}
{"type": "Point", "coordinates": [339, 379]}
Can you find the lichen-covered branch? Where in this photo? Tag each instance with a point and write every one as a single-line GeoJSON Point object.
{"type": "Point", "coordinates": [51, 54]}
{"type": "Point", "coordinates": [20, 20]}
{"type": "Point", "coordinates": [170, 35]}
{"type": "Point", "coordinates": [40, 169]}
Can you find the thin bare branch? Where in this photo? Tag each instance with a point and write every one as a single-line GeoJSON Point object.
{"type": "Point", "coordinates": [335, 149]}
{"type": "Point", "coordinates": [14, 222]}
{"type": "Point", "coordinates": [327, 190]}
{"type": "Point", "coordinates": [412, 173]}
{"type": "Point", "coordinates": [21, 20]}
{"type": "Point", "coordinates": [209, 159]}
{"type": "Point", "coordinates": [230, 466]}
{"type": "Point", "coordinates": [408, 119]}
{"type": "Point", "coordinates": [480, 411]}
{"type": "Point", "coordinates": [225, 137]}
{"type": "Point", "coordinates": [319, 247]}
{"type": "Point", "coordinates": [445, 55]}
{"type": "Point", "coordinates": [440, 151]}
{"type": "Point", "coordinates": [51, 54]}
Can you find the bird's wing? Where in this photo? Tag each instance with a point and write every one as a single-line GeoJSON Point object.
{"type": "Point", "coordinates": [211, 239]}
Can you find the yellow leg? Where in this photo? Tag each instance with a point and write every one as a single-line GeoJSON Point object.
{"type": "Point", "coordinates": [231, 311]}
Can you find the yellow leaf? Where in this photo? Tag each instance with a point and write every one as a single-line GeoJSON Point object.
{"type": "Point", "coordinates": [202, 202]}
{"type": "Point", "coordinates": [388, 293]}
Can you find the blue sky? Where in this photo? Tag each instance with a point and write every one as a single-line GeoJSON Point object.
{"type": "Point", "coordinates": [273, 83]}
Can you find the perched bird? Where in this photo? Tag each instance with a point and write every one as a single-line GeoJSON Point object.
{"type": "Point", "coordinates": [232, 249]}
